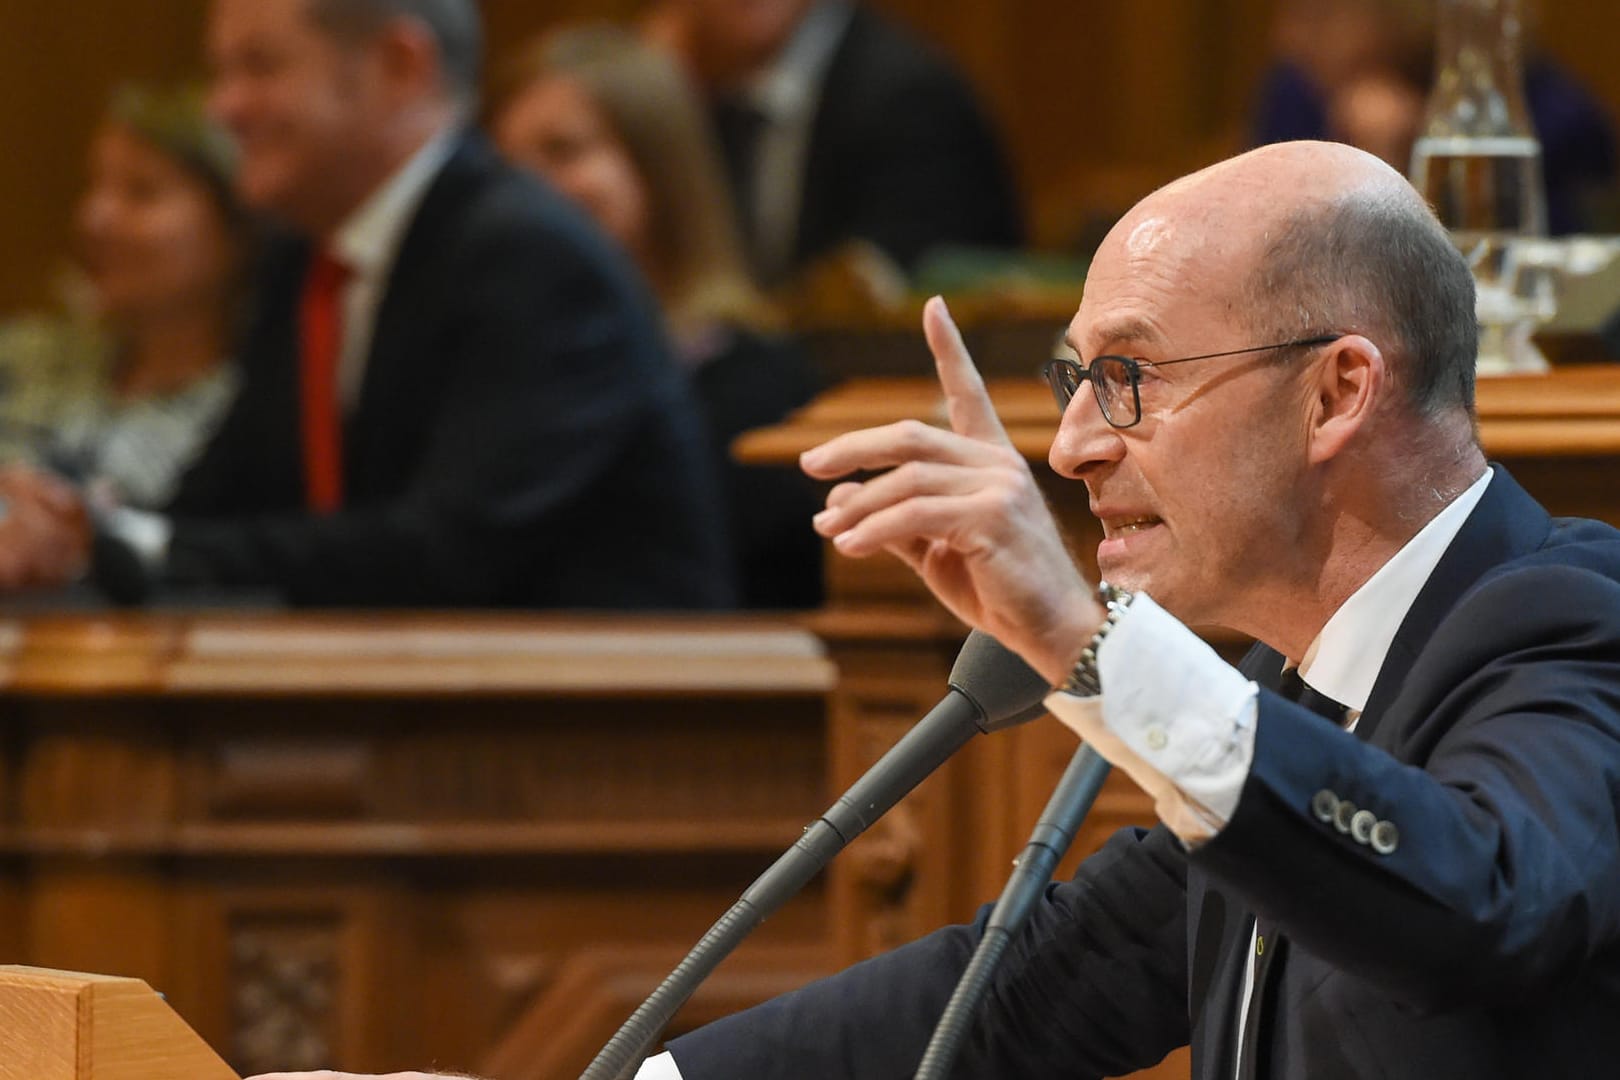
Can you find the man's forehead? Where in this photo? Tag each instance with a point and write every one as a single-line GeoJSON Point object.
{"type": "Point", "coordinates": [1177, 255]}
{"type": "Point", "coordinates": [1151, 236]}
{"type": "Point", "coordinates": [243, 16]}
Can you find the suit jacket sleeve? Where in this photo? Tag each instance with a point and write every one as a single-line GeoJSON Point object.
{"type": "Point", "coordinates": [1502, 777]}
{"type": "Point", "coordinates": [1096, 985]}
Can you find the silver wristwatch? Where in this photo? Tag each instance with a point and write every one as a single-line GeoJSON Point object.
{"type": "Point", "coordinates": [1084, 680]}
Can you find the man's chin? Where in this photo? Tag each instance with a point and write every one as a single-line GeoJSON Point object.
{"type": "Point", "coordinates": [1125, 560]}
{"type": "Point", "coordinates": [264, 189]}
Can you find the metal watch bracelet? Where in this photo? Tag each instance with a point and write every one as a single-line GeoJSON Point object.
{"type": "Point", "coordinates": [1085, 680]}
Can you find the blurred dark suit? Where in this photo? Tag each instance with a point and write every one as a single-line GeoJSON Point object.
{"type": "Point", "coordinates": [900, 153]}
{"type": "Point", "coordinates": [521, 437]}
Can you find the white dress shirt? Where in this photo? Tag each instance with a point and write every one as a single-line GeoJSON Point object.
{"type": "Point", "coordinates": [661, 1067]}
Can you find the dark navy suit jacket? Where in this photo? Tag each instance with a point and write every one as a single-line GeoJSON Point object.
{"type": "Point", "coordinates": [900, 153]}
{"type": "Point", "coordinates": [522, 436]}
{"type": "Point", "coordinates": [1485, 945]}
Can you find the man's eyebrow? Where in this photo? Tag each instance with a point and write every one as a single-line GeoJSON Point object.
{"type": "Point", "coordinates": [1124, 330]}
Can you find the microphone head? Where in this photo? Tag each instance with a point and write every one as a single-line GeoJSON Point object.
{"type": "Point", "coordinates": [1004, 689]}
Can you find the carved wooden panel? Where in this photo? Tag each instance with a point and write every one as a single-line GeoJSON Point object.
{"type": "Point", "coordinates": [285, 981]}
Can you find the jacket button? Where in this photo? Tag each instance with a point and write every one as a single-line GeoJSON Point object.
{"type": "Point", "coordinates": [1361, 826]}
{"type": "Point", "coordinates": [1324, 804]}
{"type": "Point", "coordinates": [1342, 816]}
{"type": "Point", "coordinates": [1385, 837]}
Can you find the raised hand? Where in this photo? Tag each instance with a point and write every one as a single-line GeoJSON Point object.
{"type": "Point", "coordinates": [961, 508]}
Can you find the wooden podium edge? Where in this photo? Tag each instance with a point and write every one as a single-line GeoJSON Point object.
{"type": "Point", "coordinates": [115, 1028]}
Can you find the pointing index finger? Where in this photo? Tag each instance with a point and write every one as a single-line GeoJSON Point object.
{"type": "Point", "coordinates": [967, 402]}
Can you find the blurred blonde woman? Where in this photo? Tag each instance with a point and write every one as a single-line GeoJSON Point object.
{"type": "Point", "coordinates": [611, 122]}
{"type": "Point", "coordinates": [120, 392]}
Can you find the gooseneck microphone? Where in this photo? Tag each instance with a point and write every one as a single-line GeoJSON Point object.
{"type": "Point", "coordinates": [990, 689]}
{"type": "Point", "coordinates": [1070, 802]}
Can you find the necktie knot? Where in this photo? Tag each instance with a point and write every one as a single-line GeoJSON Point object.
{"type": "Point", "coordinates": [1293, 688]}
{"type": "Point", "coordinates": [328, 274]}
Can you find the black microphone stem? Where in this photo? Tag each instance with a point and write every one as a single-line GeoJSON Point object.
{"type": "Point", "coordinates": [923, 749]}
{"type": "Point", "coordinates": [1070, 802]}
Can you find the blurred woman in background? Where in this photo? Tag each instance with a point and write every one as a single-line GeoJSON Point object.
{"type": "Point", "coordinates": [612, 123]}
{"type": "Point", "coordinates": [120, 393]}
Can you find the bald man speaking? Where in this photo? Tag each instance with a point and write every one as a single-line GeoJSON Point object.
{"type": "Point", "coordinates": [1389, 843]}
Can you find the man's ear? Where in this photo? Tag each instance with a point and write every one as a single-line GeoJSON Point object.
{"type": "Point", "coordinates": [409, 57]}
{"type": "Point", "coordinates": [1350, 385]}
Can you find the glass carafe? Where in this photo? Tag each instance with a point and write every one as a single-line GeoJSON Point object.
{"type": "Point", "coordinates": [1478, 162]}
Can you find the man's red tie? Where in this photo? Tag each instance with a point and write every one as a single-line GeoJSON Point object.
{"type": "Point", "coordinates": [321, 342]}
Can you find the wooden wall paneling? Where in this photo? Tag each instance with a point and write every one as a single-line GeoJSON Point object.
{"type": "Point", "coordinates": [94, 790]}
{"type": "Point", "coordinates": [384, 844]}
{"type": "Point", "coordinates": [509, 23]}
{"type": "Point", "coordinates": [1581, 34]}
{"type": "Point", "coordinates": [1099, 101]}
{"type": "Point", "coordinates": [108, 914]}
{"type": "Point", "coordinates": [86, 767]}
{"type": "Point", "coordinates": [12, 911]}
{"type": "Point", "coordinates": [1576, 486]}
{"type": "Point", "coordinates": [58, 63]}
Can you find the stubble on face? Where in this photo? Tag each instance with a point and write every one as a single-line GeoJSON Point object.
{"type": "Point", "coordinates": [1191, 498]}
{"type": "Point", "coordinates": [295, 101]}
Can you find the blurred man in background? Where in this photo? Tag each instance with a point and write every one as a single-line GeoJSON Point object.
{"type": "Point", "coordinates": [838, 126]}
{"type": "Point", "coordinates": [455, 391]}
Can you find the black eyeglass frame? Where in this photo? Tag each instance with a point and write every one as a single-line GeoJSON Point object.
{"type": "Point", "coordinates": [1056, 368]}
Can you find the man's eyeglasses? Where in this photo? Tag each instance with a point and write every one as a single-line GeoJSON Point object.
{"type": "Point", "coordinates": [1115, 379]}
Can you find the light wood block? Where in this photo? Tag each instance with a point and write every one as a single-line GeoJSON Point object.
{"type": "Point", "coordinates": [57, 1025]}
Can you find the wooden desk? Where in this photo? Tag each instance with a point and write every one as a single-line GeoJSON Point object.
{"type": "Point", "coordinates": [382, 843]}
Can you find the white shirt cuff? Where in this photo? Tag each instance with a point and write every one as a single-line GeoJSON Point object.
{"type": "Point", "coordinates": [146, 533]}
{"type": "Point", "coordinates": [661, 1067]}
{"type": "Point", "coordinates": [1175, 716]}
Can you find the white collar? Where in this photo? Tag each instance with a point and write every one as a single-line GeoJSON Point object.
{"type": "Point", "coordinates": [369, 237]}
{"type": "Point", "coordinates": [1344, 660]}
{"type": "Point", "coordinates": [789, 85]}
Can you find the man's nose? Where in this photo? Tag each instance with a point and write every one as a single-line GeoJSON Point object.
{"type": "Point", "coordinates": [1084, 438]}
{"type": "Point", "coordinates": [224, 101]}
{"type": "Point", "coordinates": [92, 213]}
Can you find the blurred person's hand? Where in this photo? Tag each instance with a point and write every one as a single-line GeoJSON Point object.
{"type": "Point", "coordinates": [45, 530]}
